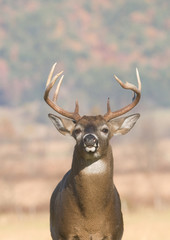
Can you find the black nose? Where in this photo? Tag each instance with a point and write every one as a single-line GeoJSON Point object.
{"type": "Point", "coordinates": [90, 140]}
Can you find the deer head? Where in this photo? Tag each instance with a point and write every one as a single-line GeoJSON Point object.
{"type": "Point", "coordinates": [92, 133]}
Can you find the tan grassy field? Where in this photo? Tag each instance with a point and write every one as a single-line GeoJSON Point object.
{"type": "Point", "coordinates": [33, 158]}
{"type": "Point", "coordinates": [141, 224]}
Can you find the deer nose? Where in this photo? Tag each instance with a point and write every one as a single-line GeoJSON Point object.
{"type": "Point", "coordinates": [90, 140]}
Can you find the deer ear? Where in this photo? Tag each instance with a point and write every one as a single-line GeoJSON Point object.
{"type": "Point", "coordinates": [63, 125]}
{"type": "Point", "coordinates": [123, 125]}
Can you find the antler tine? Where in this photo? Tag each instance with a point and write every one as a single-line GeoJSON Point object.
{"type": "Point", "coordinates": [137, 94]}
{"type": "Point", "coordinates": [139, 81]}
{"type": "Point", "coordinates": [76, 107]}
{"type": "Point", "coordinates": [51, 74]}
{"type": "Point", "coordinates": [57, 88]}
{"type": "Point", "coordinates": [50, 83]}
{"type": "Point", "coordinates": [108, 105]}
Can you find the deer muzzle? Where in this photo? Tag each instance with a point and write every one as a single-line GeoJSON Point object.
{"type": "Point", "coordinates": [90, 142]}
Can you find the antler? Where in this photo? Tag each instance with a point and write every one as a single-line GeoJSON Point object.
{"type": "Point", "coordinates": [137, 94]}
{"type": "Point", "coordinates": [73, 115]}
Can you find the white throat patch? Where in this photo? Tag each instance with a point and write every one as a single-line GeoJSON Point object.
{"type": "Point", "coordinates": [97, 167]}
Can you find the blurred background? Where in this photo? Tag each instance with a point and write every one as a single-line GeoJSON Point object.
{"type": "Point", "coordinates": [91, 41]}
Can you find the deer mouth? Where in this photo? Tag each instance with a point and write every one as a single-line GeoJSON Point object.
{"type": "Point", "coordinates": [91, 149]}
{"type": "Point", "coordinates": [90, 143]}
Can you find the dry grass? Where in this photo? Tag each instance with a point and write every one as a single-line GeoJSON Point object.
{"type": "Point", "coordinates": [147, 224]}
{"type": "Point", "coordinates": [22, 226]}
{"type": "Point", "coordinates": [33, 161]}
{"type": "Point", "coordinates": [35, 167]}
{"type": "Point", "coordinates": [141, 224]}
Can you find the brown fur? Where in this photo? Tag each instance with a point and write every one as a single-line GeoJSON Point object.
{"type": "Point", "coordinates": [86, 206]}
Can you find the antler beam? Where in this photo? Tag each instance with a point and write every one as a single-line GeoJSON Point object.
{"type": "Point", "coordinates": [50, 83]}
{"type": "Point", "coordinates": [137, 94]}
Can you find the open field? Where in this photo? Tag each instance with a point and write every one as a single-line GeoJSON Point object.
{"type": "Point", "coordinates": [35, 167]}
{"type": "Point", "coordinates": [33, 158]}
{"type": "Point", "coordinates": [141, 224]}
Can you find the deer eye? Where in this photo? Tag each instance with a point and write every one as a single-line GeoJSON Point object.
{"type": "Point", "coordinates": [77, 131]}
{"type": "Point", "coordinates": [105, 130]}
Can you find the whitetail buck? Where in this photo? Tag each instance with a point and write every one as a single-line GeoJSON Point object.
{"type": "Point", "coordinates": [85, 205]}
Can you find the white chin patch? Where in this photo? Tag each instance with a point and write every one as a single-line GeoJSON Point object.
{"type": "Point", "coordinates": [98, 167]}
{"type": "Point", "coordinates": [90, 149]}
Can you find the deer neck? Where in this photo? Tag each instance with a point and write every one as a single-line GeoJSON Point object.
{"type": "Point", "coordinates": [93, 167]}
{"type": "Point", "coordinates": [93, 181]}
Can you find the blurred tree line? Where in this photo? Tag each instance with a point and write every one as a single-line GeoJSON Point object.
{"type": "Point", "coordinates": [91, 41]}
